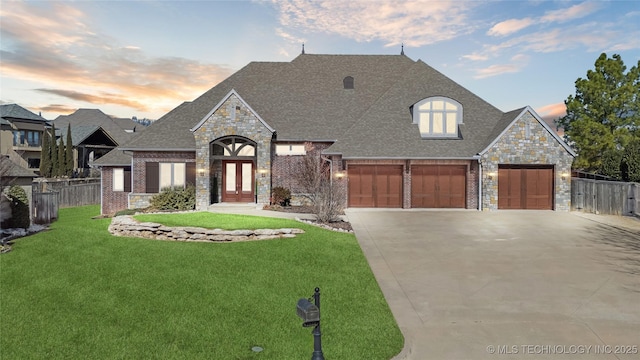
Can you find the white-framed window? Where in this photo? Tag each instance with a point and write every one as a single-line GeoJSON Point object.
{"type": "Point", "coordinates": [172, 175]}
{"type": "Point", "coordinates": [437, 117]}
{"type": "Point", "coordinates": [290, 149]}
{"type": "Point", "coordinates": [118, 179]}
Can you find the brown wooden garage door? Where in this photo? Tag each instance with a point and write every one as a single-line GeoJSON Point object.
{"type": "Point", "coordinates": [438, 186]}
{"type": "Point", "coordinates": [375, 186]}
{"type": "Point", "coordinates": [525, 188]}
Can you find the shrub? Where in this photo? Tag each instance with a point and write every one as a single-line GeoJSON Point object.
{"type": "Point", "coordinates": [175, 199]}
{"type": "Point", "coordinates": [281, 196]}
{"type": "Point", "coordinates": [19, 207]}
{"type": "Point", "coordinates": [325, 195]}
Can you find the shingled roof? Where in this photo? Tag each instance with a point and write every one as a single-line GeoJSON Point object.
{"type": "Point", "coordinates": [305, 100]}
{"type": "Point", "coordinates": [14, 111]}
{"type": "Point", "coordinates": [115, 157]}
{"type": "Point", "coordinates": [93, 117]}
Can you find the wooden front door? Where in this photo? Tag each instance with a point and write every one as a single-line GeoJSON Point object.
{"type": "Point", "coordinates": [238, 181]}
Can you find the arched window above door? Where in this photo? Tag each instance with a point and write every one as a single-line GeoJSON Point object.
{"type": "Point", "coordinates": [234, 146]}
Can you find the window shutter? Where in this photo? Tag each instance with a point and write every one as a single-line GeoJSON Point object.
{"type": "Point", "coordinates": [191, 173]}
{"type": "Point", "coordinates": [127, 179]}
{"type": "Point", "coordinates": [152, 178]}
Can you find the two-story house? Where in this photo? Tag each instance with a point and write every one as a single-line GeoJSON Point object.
{"type": "Point", "coordinates": [21, 135]}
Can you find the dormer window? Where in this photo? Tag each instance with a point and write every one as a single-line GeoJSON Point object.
{"type": "Point", "coordinates": [348, 82]}
{"type": "Point", "coordinates": [437, 117]}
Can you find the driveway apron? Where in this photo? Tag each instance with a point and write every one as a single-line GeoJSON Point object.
{"type": "Point", "coordinates": [506, 284]}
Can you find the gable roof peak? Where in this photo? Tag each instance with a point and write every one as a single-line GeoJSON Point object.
{"type": "Point", "coordinates": [224, 99]}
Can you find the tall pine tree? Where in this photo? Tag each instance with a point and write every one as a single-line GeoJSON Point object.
{"type": "Point", "coordinates": [62, 163]}
{"type": "Point", "coordinates": [54, 153]}
{"type": "Point", "coordinates": [45, 155]}
{"type": "Point", "coordinates": [604, 114]}
{"type": "Point", "coordinates": [69, 152]}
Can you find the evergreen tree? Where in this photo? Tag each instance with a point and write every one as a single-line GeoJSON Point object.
{"type": "Point", "coordinates": [69, 153]}
{"type": "Point", "coordinates": [54, 153]}
{"type": "Point", "coordinates": [630, 166]}
{"type": "Point", "coordinates": [604, 114]}
{"type": "Point", "coordinates": [62, 163]}
{"type": "Point", "coordinates": [45, 155]}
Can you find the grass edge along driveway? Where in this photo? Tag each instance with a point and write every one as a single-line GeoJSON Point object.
{"type": "Point", "coordinates": [75, 291]}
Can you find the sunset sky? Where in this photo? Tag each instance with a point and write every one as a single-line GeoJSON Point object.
{"type": "Point", "coordinates": [142, 58]}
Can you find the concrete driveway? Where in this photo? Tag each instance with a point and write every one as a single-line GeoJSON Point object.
{"type": "Point", "coordinates": [507, 284]}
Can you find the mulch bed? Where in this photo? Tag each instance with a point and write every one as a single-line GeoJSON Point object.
{"type": "Point", "coordinates": [344, 225]}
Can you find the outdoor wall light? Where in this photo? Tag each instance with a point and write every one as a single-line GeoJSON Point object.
{"type": "Point", "coordinates": [263, 172]}
{"type": "Point", "coordinates": [340, 174]}
{"type": "Point", "coordinates": [491, 175]}
{"type": "Point", "coordinates": [565, 176]}
{"type": "Point", "coordinates": [201, 172]}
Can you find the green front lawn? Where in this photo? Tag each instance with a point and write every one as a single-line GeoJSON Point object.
{"type": "Point", "coordinates": [76, 292]}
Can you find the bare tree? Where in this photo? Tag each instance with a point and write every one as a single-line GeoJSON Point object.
{"type": "Point", "coordinates": [326, 196]}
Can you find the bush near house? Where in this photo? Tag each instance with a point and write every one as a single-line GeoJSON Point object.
{"type": "Point", "coordinates": [19, 208]}
{"type": "Point", "coordinates": [175, 199]}
{"type": "Point", "coordinates": [281, 196]}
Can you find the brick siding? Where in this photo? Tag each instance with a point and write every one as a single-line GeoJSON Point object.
{"type": "Point", "coordinates": [112, 201]}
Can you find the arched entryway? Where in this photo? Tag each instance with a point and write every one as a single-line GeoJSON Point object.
{"type": "Point", "coordinates": [233, 164]}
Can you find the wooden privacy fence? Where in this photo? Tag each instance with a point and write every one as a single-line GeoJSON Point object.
{"type": "Point", "coordinates": [79, 195]}
{"type": "Point", "coordinates": [45, 207]}
{"type": "Point", "coordinates": [605, 197]}
{"type": "Point", "coordinates": [48, 196]}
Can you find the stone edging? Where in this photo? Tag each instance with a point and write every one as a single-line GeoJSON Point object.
{"type": "Point", "coordinates": [126, 225]}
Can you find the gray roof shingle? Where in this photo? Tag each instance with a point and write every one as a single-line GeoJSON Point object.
{"type": "Point", "coordinates": [93, 117]}
{"type": "Point", "coordinates": [115, 157]}
{"type": "Point", "coordinates": [14, 170]}
{"type": "Point", "coordinates": [305, 100]}
{"type": "Point", "coordinates": [14, 111]}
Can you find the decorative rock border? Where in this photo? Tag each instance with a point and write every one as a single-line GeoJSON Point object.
{"type": "Point", "coordinates": [126, 225]}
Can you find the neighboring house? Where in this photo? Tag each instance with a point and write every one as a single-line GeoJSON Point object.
{"type": "Point", "coordinates": [93, 134]}
{"type": "Point", "coordinates": [399, 133]}
{"type": "Point", "coordinates": [21, 135]}
{"type": "Point", "coordinates": [89, 142]}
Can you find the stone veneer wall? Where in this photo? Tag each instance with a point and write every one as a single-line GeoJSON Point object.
{"type": "Point", "coordinates": [516, 147]}
{"type": "Point", "coordinates": [221, 124]}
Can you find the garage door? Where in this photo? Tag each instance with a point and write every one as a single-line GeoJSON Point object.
{"type": "Point", "coordinates": [525, 188]}
{"type": "Point", "coordinates": [375, 186]}
{"type": "Point", "coordinates": [438, 186]}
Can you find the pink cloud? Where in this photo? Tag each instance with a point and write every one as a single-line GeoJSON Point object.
{"type": "Point", "coordinates": [53, 44]}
